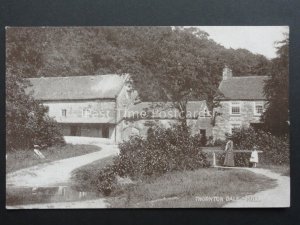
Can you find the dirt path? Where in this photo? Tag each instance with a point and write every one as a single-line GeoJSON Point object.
{"type": "Point", "coordinates": [59, 172]}
{"type": "Point", "coordinates": [278, 197]}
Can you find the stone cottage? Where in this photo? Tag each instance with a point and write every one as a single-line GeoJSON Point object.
{"type": "Point", "coordinates": [105, 106]}
{"type": "Point", "coordinates": [241, 103]}
{"type": "Point", "coordinates": [84, 105]}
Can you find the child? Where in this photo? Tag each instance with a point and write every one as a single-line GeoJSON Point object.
{"type": "Point", "coordinates": [254, 157]}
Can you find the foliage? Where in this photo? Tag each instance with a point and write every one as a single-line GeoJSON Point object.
{"type": "Point", "coordinates": [87, 178]}
{"type": "Point", "coordinates": [275, 149]}
{"type": "Point", "coordinates": [164, 150]}
{"type": "Point", "coordinates": [27, 122]}
{"type": "Point", "coordinates": [106, 180]}
{"type": "Point", "coordinates": [91, 50]}
{"type": "Point", "coordinates": [276, 89]}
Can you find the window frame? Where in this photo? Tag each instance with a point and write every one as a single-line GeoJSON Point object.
{"type": "Point", "coordinates": [86, 110]}
{"type": "Point", "coordinates": [255, 110]}
{"type": "Point", "coordinates": [235, 104]}
{"type": "Point", "coordinates": [64, 112]}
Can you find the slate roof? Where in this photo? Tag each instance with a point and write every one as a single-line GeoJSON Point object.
{"type": "Point", "coordinates": [243, 88]}
{"type": "Point", "coordinates": [165, 110]}
{"type": "Point", "coordinates": [76, 87]}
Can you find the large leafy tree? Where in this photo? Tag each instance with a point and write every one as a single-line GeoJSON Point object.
{"type": "Point", "coordinates": [178, 62]}
{"type": "Point", "coordinates": [27, 122]}
{"type": "Point", "coordinates": [276, 116]}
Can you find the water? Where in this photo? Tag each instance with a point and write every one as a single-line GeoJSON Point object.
{"type": "Point", "coordinates": [29, 195]}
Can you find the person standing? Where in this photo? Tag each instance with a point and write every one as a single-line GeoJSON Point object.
{"type": "Point", "coordinates": [229, 154]}
{"type": "Point", "coordinates": [254, 157]}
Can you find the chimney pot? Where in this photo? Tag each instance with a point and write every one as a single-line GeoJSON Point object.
{"type": "Point", "coordinates": [227, 73]}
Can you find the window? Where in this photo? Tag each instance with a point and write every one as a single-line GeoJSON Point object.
{"type": "Point", "coordinates": [206, 113]}
{"type": "Point", "coordinates": [258, 108]}
{"type": "Point", "coordinates": [86, 112]}
{"type": "Point", "coordinates": [64, 112]}
{"type": "Point", "coordinates": [203, 113]}
{"type": "Point", "coordinates": [235, 108]}
{"type": "Point", "coordinates": [129, 94]}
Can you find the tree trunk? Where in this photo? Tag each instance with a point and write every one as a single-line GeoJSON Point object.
{"type": "Point", "coordinates": [183, 116]}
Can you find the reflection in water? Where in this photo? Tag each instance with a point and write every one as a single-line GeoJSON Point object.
{"type": "Point", "coordinates": [28, 195]}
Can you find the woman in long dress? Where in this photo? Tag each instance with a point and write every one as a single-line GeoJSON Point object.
{"type": "Point", "coordinates": [254, 157]}
{"type": "Point", "coordinates": [229, 155]}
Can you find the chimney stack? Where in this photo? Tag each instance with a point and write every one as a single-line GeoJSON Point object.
{"type": "Point", "coordinates": [227, 73]}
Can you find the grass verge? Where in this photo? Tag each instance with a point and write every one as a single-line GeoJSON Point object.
{"type": "Point", "coordinates": [191, 188]}
{"type": "Point", "coordinates": [177, 189]}
{"type": "Point", "coordinates": [24, 158]}
{"type": "Point", "coordinates": [84, 177]}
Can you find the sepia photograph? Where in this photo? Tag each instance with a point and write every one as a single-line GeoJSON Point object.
{"type": "Point", "coordinates": [147, 117]}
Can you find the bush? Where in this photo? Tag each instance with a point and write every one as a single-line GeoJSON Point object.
{"type": "Point", "coordinates": [275, 149]}
{"type": "Point", "coordinates": [240, 159]}
{"type": "Point", "coordinates": [46, 133]}
{"type": "Point", "coordinates": [27, 122]}
{"type": "Point", "coordinates": [106, 180]}
{"type": "Point", "coordinates": [163, 150]}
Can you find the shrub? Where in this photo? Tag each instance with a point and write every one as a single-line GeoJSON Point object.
{"type": "Point", "coordinates": [27, 122]}
{"type": "Point", "coordinates": [275, 149]}
{"type": "Point", "coordinates": [46, 133]}
{"type": "Point", "coordinates": [163, 150]}
{"type": "Point", "coordinates": [240, 159]}
{"type": "Point", "coordinates": [106, 180]}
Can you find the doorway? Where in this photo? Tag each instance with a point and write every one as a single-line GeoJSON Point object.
{"type": "Point", "coordinates": [203, 132]}
{"type": "Point", "coordinates": [105, 131]}
{"type": "Point", "coordinates": [75, 130]}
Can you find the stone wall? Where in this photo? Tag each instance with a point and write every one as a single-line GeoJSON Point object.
{"type": "Point", "coordinates": [202, 123]}
{"type": "Point", "coordinates": [140, 127]}
{"type": "Point", "coordinates": [125, 98]}
{"type": "Point", "coordinates": [99, 111]}
{"type": "Point", "coordinates": [225, 120]}
{"type": "Point", "coordinates": [91, 123]}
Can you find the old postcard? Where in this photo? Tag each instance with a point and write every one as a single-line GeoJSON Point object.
{"type": "Point", "coordinates": [147, 117]}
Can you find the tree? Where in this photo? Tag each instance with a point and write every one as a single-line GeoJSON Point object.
{"type": "Point", "coordinates": [276, 116]}
{"type": "Point", "coordinates": [26, 120]}
{"type": "Point", "coordinates": [177, 60]}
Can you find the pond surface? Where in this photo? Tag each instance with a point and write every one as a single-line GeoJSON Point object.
{"type": "Point", "coordinates": [29, 195]}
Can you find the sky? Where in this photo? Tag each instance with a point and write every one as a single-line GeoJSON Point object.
{"type": "Point", "coordinates": [257, 39]}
